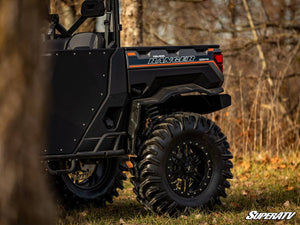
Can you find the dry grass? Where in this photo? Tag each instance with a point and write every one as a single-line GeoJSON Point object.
{"type": "Point", "coordinates": [263, 183]}
{"type": "Point", "coordinates": [261, 118]}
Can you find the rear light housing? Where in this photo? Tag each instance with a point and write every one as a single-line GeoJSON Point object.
{"type": "Point", "coordinates": [219, 60]}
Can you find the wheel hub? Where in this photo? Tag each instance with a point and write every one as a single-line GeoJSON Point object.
{"type": "Point", "coordinates": [84, 172]}
{"type": "Point", "coordinates": [189, 168]}
{"type": "Point", "coordinates": [89, 176]}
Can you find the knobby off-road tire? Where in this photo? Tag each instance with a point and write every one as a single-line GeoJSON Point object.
{"type": "Point", "coordinates": [99, 188]}
{"type": "Point", "coordinates": [184, 164]}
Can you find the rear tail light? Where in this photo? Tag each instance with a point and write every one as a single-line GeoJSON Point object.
{"type": "Point", "coordinates": [219, 60]}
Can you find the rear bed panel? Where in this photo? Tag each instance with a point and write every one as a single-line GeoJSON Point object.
{"type": "Point", "coordinates": [150, 68]}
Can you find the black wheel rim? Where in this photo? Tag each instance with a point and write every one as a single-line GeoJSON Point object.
{"type": "Point", "coordinates": [90, 180]}
{"type": "Point", "coordinates": [189, 168]}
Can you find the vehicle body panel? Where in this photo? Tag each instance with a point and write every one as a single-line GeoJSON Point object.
{"type": "Point", "coordinates": [93, 92]}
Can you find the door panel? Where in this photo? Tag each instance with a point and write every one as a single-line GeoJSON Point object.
{"type": "Point", "coordinates": [79, 86]}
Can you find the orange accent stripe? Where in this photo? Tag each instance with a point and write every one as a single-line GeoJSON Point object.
{"type": "Point", "coordinates": [131, 54]}
{"type": "Point", "coordinates": [211, 49]}
{"type": "Point", "coordinates": [171, 64]}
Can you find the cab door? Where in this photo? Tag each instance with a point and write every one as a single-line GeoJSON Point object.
{"type": "Point", "coordinates": [79, 85]}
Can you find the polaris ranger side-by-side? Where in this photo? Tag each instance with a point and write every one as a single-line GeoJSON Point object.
{"type": "Point", "coordinates": [109, 103]}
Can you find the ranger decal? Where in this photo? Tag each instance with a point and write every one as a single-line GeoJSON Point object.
{"type": "Point", "coordinates": [176, 59]}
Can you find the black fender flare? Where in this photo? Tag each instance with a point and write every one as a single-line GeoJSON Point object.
{"type": "Point", "coordinates": [212, 98]}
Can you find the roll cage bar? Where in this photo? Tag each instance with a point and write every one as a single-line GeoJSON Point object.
{"type": "Point", "coordinates": [112, 37]}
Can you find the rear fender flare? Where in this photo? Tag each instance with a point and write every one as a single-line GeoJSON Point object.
{"type": "Point", "coordinates": [214, 101]}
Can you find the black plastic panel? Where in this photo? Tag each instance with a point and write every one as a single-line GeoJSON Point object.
{"type": "Point", "coordinates": [117, 97]}
{"type": "Point", "coordinates": [202, 104]}
{"type": "Point", "coordinates": [155, 78]}
{"type": "Point", "coordinates": [165, 58]}
{"type": "Point", "coordinates": [79, 86]}
{"type": "Point", "coordinates": [152, 68]}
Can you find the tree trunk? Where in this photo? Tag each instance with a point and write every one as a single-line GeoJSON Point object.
{"type": "Point", "coordinates": [132, 20]}
{"type": "Point", "coordinates": [24, 196]}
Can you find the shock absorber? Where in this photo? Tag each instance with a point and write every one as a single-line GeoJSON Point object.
{"type": "Point", "coordinates": [153, 114]}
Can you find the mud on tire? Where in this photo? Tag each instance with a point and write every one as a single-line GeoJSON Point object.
{"type": "Point", "coordinates": [184, 164]}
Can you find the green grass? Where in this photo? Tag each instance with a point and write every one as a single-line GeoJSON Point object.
{"type": "Point", "coordinates": [262, 184]}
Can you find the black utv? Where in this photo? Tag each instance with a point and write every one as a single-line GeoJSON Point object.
{"type": "Point", "coordinates": [110, 104]}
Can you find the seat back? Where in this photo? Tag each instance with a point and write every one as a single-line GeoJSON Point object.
{"type": "Point", "coordinates": [86, 41]}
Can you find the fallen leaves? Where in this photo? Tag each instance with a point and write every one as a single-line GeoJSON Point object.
{"type": "Point", "coordinates": [198, 216]}
{"type": "Point", "coordinates": [183, 217]}
{"type": "Point", "coordinates": [274, 163]}
{"type": "Point", "coordinates": [244, 192]}
{"type": "Point", "coordinates": [235, 205]}
{"type": "Point", "coordinates": [244, 177]}
{"type": "Point", "coordinates": [245, 165]}
{"type": "Point", "coordinates": [278, 166]}
{"type": "Point", "coordinates": [264, 158]}
{"type": "Point", "coordinates": [254, 195]}
{"type": "Point", "coordinates": [275, 160]}
{"type": "Point", "coordinates": [203, 223]}
{"type": "Point", "coordinates": [289, 188]}
{"type": "Point", "coordinates": [267, 173]}
{"type": "Point", "coordinates": [70, 219]}
{"type": "Point", "coordinates": [280, 223]}
{"type": "Point", "coordinates": [286, 204]}
{"type": "Point", "coordinates": [84, 213]}
{"type": "Point", "coordinates": [214, 221]}
{"type": "Point", "coordinates": [122, 222]}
